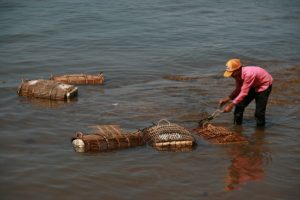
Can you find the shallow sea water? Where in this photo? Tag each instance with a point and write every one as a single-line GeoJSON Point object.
{"type": "Point", "coordinates": [137, 45]}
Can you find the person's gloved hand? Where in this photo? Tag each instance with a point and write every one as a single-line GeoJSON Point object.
{"type": "Point", "coordinates": [229, 107]}
{"type": "Point", "coordinates": [222, 102]}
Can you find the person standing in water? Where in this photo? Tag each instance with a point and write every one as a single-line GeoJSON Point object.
{"type": "Point", "coordinates": [252, 82]}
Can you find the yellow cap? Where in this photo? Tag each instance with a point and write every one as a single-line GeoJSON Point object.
{"type": "Point", "coordinates": [232, 65]}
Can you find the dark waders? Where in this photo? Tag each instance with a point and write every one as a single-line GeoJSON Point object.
{"type": "Point", "coordinates": [261, 100]}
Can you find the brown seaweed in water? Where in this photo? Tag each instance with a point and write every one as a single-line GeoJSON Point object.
{"type": "Point", "coordinates": [179, 78]}
{"type": "Point", "coordinates": [286, 87]}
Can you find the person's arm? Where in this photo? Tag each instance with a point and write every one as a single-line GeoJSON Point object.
{"type": "Point", "coordinates": [223, 101]}
{"type": "Point", "coordinates": [238, 86]}
{"type": "Point", "coordinates": [247, 84]}
{"type": "Point", "coordinates": [234, 93]}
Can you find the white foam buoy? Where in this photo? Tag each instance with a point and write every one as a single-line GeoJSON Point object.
{"type": "Point", "coordinates": [78, 145]}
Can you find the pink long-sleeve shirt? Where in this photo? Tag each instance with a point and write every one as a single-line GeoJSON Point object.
{"type": "Point", "coordinates": [251, 76]}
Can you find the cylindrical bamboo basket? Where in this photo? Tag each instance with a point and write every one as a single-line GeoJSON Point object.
{"type": "Point", "coordinates": [80, 79]}
{"type": "Point", "coordinates": [109, 138]}
{"type": "Point", "coordinates": [47, 89]}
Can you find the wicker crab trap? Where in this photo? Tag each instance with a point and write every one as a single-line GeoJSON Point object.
{"type": "Point", "coordinates": [169, 136]}
{"type": "Point", "coordinates": [47, 89]}
{"type": "Point", "coordinates": [80, 79]}
{"type": "Point", "coordinates": [106, 138]}
{"type": "Point", "coordinates": [219, 134]}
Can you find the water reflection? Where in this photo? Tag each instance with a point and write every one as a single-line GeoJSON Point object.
{"type": "Point", "coordinates": [47, 103]}
{"type": "Point", "coordinates": [248, 161]}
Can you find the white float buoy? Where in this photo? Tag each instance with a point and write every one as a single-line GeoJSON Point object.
{"type": "Point", "coordinates": [78, 145]}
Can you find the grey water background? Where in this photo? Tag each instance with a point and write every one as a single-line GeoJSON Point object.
{"type": "Point", "coordinates": [137, 44]}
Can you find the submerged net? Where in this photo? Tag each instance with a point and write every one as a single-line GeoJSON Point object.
{"type": "Point", "coordinates": [220, 135]}
{"type": "Point", "coordinates": [106, 138]}
{"type": "Point", "coordinates": [47, 89]}
{"type": "Point", "coordinates": [168, 136]}
{"type": "Point", "coordinates": [80, 79]}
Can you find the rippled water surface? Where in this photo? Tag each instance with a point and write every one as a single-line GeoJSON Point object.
{"type": "Point", "coordinates": [140, 46]}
